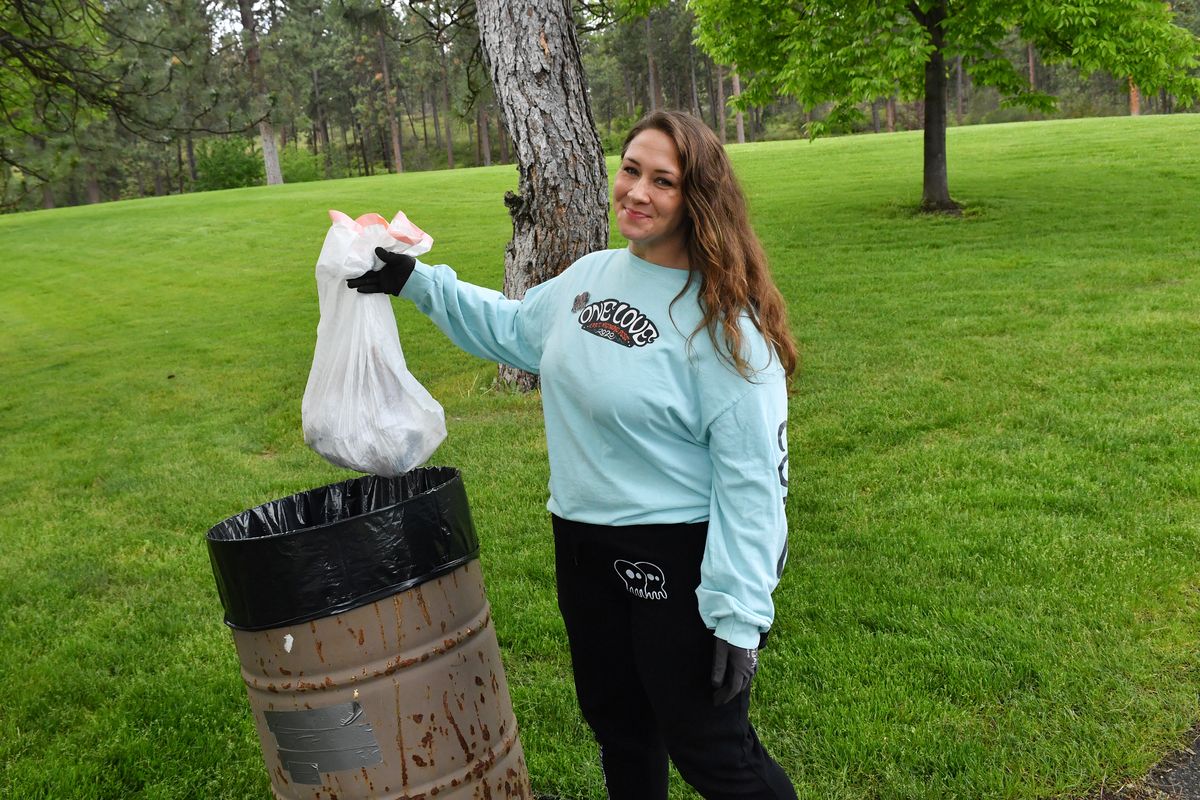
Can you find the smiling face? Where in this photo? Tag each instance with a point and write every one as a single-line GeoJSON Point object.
{"type": "Point", "coordinates": [648, 197]}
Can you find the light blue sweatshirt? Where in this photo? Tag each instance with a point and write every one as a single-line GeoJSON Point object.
{"type": "Point", "coordinates": [644, 426]}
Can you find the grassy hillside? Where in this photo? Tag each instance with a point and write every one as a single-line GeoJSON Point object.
{"type": "Point", "coordinates": [995, 466]}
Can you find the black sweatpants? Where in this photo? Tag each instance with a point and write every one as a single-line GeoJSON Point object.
{"type": "Point", "coordinates": [642, 659]}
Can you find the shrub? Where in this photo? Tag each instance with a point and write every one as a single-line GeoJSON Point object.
{"type": "Point", "coordinates": [300, 166]}
{"type": "Point", "coordinates": [228, 163]}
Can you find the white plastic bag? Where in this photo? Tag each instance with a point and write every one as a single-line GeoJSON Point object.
{"type": "Point", "coordinates": [362, 408]}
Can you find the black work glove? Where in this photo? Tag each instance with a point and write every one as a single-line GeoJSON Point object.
{"type": "Point", "coordinates": [389, 278]}
{"type": "Point", "coordinates": [732, 670]}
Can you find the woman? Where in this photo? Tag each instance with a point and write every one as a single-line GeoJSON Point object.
{"type": "Point", "coordinates": [663, 369]}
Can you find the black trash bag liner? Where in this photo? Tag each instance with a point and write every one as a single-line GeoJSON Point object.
{"type": "Point", "coordinates": [338, 547]}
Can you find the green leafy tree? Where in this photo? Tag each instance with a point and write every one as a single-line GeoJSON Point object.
{"type": "Point", "coordinates": [83, 79]}
{"type": "Point", "coordinates": [850, 52]}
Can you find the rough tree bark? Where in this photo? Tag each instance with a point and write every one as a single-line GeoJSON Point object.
{"type": "Point", "coordinates": [560, 211]}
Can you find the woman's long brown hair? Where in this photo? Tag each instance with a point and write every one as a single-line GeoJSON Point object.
{"type": "Point", "coordinates": [724, 253]}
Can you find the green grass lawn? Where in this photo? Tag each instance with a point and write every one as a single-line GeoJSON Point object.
{"type": "Point", "coordinates": [995, 466]}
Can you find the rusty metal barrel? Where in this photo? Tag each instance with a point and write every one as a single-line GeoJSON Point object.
{"type": "Point", "coordinates": [366, 642]}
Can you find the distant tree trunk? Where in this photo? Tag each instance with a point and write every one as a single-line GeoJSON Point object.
{"type": "Point", "coordinates": [1164, 101]}
{"type": "Point", "coordinates": [412, 126]}
{"type": "Point", "coordinates": [958, 90]}
{"type": "Point", "coordinates": [560, 212]}
{"type": "Point", "coordinates": [653, 79]}
{"type": "Point", "coordinates": [270, 153]}
{"type": "Point", "coordinates": [739, 120]}
{"type": "Point", "coordinates": [92, 184]}
{"type": "Point", "coordinates": [695, 90]}
{"type": "Point", "coordinates": [363, 131]}
{"type": "Point", "coordinates": [875, 115]}
{"type": "Point", "coordinates": [485, 139]}
{"type": "Point", "coordinates": [265, 130]}
{"type": "Point", "coordinates": [712, 93]}
{"type": "Point", "coordinates": [178, 164]}
{"type": "Point", "coordinates": [1135, 99]}
{"type": "Point", "coordinates": [389, 101]}
{"type": "Point", "coordinates": [935, 194]}
{"type": "Point", "coordinates": [424, 122]}
{"type": "Point", "coordinates": [322, 130]}
{"type": "Point", "coordinates": [368, 129]}
{"type": "Point", "coordinates": [437, 127]}
{"type": "Point", "coordinates": [721, 103]}
{"type": "Point", "coordinates": [449, 111]}
{"type": "Point", "coordinates": [1029, 54]}
{"type": "Point", "coordinates": [191, 159]}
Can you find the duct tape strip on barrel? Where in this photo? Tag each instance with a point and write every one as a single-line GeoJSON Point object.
{"type": "Point", "coordinates": [341, 546]}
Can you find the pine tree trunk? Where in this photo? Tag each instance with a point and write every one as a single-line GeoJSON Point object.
{"type": "Point", "coordinates": [424, 122]}
{"type": "Point", "coordinates": [250, 44]}
{"type": "Point", "coordinates": [321, 129]}
{"type": "Point", "coordinates": [485, 139]}
{"type": "Point", "coordinates": [390, 103]}
{"type": "Point", "coordinates": [560, 212]}
{"type": "Point", "coordinates": [449, 112]}
{"type": "Point", "coordinates": [935, 195]}
{"type": "Point", "coordinates": [368, 128]}
{"type": "Point", "coordinates": [92, 184]}
{"type": "Point", "coordinates": [710, 84]}
{"type": "Point", "coordinates": [437, 126]}
{"type": "Point", "coordinates": [178, 164]}
{"type": "Point", "coordinates": [412, 126]}
{"type": "Point", "coordinates": [653, 79]}
{"type": "Point", "coordinates": [695, 89]}
{"type": "Point", "coordinates": [958, 89]}
{"type": "Point", "coordinates": [721, 103]}
{"type": "Point", "coordinates": [738, 117]}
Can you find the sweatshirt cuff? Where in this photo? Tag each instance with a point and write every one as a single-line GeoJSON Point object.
{"type": "Point", "coordinates": [418, 283]}
{"type": "Point", "coordinates": [738, 634]}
